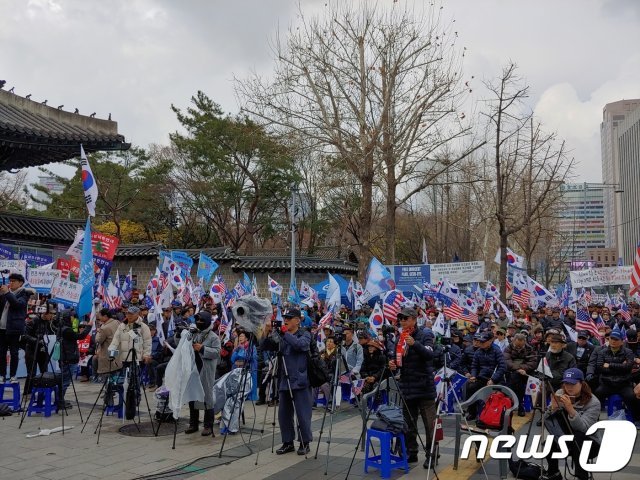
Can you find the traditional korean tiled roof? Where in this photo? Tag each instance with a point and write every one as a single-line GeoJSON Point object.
{"type": "Point", "coordinates": [33, 134]}
{"type": "Point", "coordinates": [261, 263]}
{"type": "Point", "coordinates": [26, 227]}
{"type": "Point", "coordinates": [153, 249]}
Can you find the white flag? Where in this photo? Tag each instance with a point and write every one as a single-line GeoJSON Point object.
{"type": "Point", "coordinates": [425, 257]}
{"type": "Point", "coordinates": [439, 326]}
{"type": "Point", "coordinates": [571, 332]}
{"type": "Point", "coordinates": [543, 367]}
{"type": "Point", "coordinates": [533, 386]}
{"type": "Point", "coordinates": [88, 184]}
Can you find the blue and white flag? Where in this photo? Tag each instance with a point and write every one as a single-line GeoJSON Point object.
{"type": "Point", "coordinates": [87, 277]}
{"type": "Point", "coordinates": [378, 280]}
{"type": "Point", "coordinates": [206, 267]}
{"type": "Point", "coordinates": [89, 185]}
{"type": "Point", "coordinates": [333, 295]}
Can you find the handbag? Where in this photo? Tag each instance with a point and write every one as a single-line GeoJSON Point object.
{"type": "Point", "coordinates": [47, 380]}
{"type": "Point", "coordinates": [316, 369]}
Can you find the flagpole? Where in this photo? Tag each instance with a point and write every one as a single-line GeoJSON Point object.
{"type": "Point", "coordinates": [294, 191]}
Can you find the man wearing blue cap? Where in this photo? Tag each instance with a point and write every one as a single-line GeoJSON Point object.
{"type": "Point", "coordinates": [613, 365]}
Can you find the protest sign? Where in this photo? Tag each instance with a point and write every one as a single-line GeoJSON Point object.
{"type": "Point", "coordinates": [14, 266]}
{"type": "Point", "coordinates": [65, 292]}
{"type": "Point", "coordinates": [596, 277]}
{"type": "Point", "coordinates": [41, 279]}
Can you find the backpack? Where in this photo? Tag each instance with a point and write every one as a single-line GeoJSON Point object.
{"type": "Point", "coordinates": [492, 415]}
{"type": "Point", "coordinates": [316, 369]}
{"type": "Point", "coordinates": [390, 419]}
{"type": "Point", "coordinates": [525, 470]}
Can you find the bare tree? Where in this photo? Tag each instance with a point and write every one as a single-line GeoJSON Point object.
{"type": "Point", "coordinates": [13, 195]}
{"type": "Point", "coordinates": [375, 90]}
{"type": "Point", "coordinates": [529, 166]}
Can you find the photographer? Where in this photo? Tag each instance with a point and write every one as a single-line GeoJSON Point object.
{"type": "Point", "coordinates": [414, 359]}
{"type": "Point", "coordinates": [206, 346]}
{"type": "Point", "coordinates": [574, 409]}
{"type": "Point", "coordinates": [126, 339]}
{"type": "Point", "coordinates": [104, 336]}
{"type": "Point", "coordinates": [34, 344]}
{"type": "Point", "coordinates": [69, 353]}
{"type": "Point", "coordinates": [293, 343]}
{"type": "Point", "coordinates": [13, 314]}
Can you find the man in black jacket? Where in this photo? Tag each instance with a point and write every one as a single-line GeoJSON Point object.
{"type": "Point", "coordinates": [69, 353]}
{"type": "Point", "coordinates": [414, 359]}
{"type": "Point", "coordinates": [583, 351]}
{"type": "Point", "coordinates": [613, 364]}
{"type": "Point", "coordinates": [521, 360]}
{"type": "Point", "coordinates": [36, 353]}
{"type": "Point", "coordinates": [13, 314]}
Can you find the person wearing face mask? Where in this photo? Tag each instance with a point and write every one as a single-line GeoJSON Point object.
{"type": "Point", "coordinates": [206, 346]}
{"type": "Point", "coordinates": [584, 350]}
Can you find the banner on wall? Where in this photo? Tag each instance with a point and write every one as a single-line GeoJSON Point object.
{"type": "Point", "coordinates": [595, 277]}
{"type": "Point", "coordinates": [406, 276]}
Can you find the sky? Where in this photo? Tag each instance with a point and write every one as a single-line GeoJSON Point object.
{"type": "Point", "coordinates": [134, 59]}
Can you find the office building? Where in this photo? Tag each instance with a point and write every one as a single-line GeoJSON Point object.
{"type": "Point", "coordinates": [581, 225]}
{"type": "Point", "coordinates": [628, 228]}
{"type": "Point", "coordinates": [613, 115]}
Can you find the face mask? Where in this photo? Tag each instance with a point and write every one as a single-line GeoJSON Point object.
{"type": "Point", "coordinates": [594, 316]}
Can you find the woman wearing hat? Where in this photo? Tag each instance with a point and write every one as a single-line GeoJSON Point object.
{"type": "Point", "coordinates": [574, 409]}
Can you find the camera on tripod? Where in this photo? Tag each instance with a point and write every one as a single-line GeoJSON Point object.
{"type": "Point", "coordinates": [338, 334]}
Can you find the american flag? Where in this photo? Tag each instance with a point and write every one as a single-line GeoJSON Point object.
{"type": "Point", "coordinates": [325, 320]}
{"type": "Point", "coordinates": [521, 297]}
{"type": "Point", "coordinates": [583, 322]}
{"type": "Point", "coordinates": [635, 274]}
{"type": "Point", "coordinates": [587, 296]}
{"type": "Point", "coordinates": [624, 311]}
{"type": "Point", "coordinates": [239, 289]}
{"type": "Point", "coordinates": [469, 316]}
{"type": "Point", "coordinates": [344, 378]}
{"type": "Point", "coordinates": [453, 311]}
{"type": "Point", "coordinates": [391, 305]}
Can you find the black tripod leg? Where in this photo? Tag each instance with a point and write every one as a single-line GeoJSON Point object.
{"type": "Point", "coordinates": [73, 386]}
{"type": "Point", "coordinates": [95, 403]}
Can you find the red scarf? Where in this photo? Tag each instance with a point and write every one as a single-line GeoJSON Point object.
{"type": "Point", "coordinates": [401, 347]}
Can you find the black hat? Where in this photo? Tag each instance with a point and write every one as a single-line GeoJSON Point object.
{"type": "Point", "coordinates": [408, 312]}
{"type": "Point", "coordinates": [16, 276]}
{"type": "Point", "coordinates": [362, 334]}
{"type": "Point", "coordinates": [583, 334]}
{"type": "Point", "coordinates": [486, 336]}
{"type": "Point", "coordinates": [204, 318]}
{"type": "Point", "coordinates": [291, 313]}
{"type": "Point", "coordinates": [347, 326]}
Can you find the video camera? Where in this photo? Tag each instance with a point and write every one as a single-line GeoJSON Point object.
{"type": "Point", "coordinates": [338, 334]}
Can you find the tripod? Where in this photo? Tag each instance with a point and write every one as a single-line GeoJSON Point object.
{"type": "Point", "coordinates": [270, 396]}
{"type": "Point", "coordinates": [335, 390]}
{"type": "Point", "coordinates": [541, 407]}
{"type": "Point", "coordinates": [239, 399]}
{"type": "Point", "coordinates": [130, 376]}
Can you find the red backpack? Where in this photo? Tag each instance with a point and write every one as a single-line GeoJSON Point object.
{"type": "Point", "coordinates": [492, 415]}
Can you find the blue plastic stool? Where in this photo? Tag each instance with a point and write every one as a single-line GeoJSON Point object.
{"type": "Point", "coordinates": [15, 401]}
{"type": "Point", "coordinates": [49, 398]}
{"type": "Point", "coordinates": [373, 405]}
{"type": "Point", "coordinates": [526, 403]}
{"type": "Point", "coordinates": [614, 403]}
{"type": "Point", "coordinates": [119, 407]}
{"type": "Point", "coordinates": [320, 400]}
{"type": "Point", "coordinates": [385, 462]}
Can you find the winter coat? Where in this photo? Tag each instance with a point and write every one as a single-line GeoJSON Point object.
{"type": "Point", "coordinates": [373, 364]}
{"type": "Point", "coordinates": [489, 363]}
{"type": "Point", "coordinates": [104, 336]}
{"type": "Point", "coordinates": [209, 355]}
{"type": "Point", "coordinates": [524, 358]}
{"type": "Point", "coordinates": [17, 314]}
{"type": "Point", "coordinates": [123, 342]}
{"type": "Point", "coordinates": [618, 373]}
{"type": "Point", "coordinates": [551, 322]}
{"type": "Point", "coordinates": [416, 372]}
{"type": "Point", "coordinates": [582, 356]}
{"type": "Point", "coordinates": [34, 329]}
{"type": "Point", "coordinates": [69, 353]}
{"type": "Point", "coordinates": [354, 356]}
{"type": "Point", "coordinates": [294, 348]}
{"type": "Point", "coordinates": [558, 363]}
{"type": "Point", "coordinates": [467, 359]}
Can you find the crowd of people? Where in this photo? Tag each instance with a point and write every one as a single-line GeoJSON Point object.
{"type": "Point", "coordinates": [499, 350]}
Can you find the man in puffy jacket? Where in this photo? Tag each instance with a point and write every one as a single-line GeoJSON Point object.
{"type": "Point", "coordinates": [414, 360]}
{"type": "Point", "coordinates": [521, 360]}
{"type": "Point", "coordinates": [293, 343]}
{"type": "Point", "coordinates": [487, 368]}
{"type": "Point", "coordinates": [558, 358]}
{"type": "Point", "coordinates": [613, 364]}
{"type": "Point", "coordinates": [13, 315]}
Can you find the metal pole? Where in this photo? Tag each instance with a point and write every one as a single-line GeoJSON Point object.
{"type": "Point", "coordinates": [584, 212]}
{"type": "Point", "coordinates": [294, 191]}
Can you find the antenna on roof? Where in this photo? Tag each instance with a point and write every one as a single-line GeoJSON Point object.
{"type": "Point", "coordinates": [93, 115]}
{"type": "Point", "coordinates": [60, 107]}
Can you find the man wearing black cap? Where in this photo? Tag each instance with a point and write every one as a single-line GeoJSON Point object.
{"type": "Point", "coordinates": [487, 368]}
{"type": "Point", "coordinates": [294, 344]}
{"type": "Point", "coordinates": [414, 359]}
{"type": "Point", "coordinates": [583, 350]}
{"type": "Point", "coordinates": [13, 314]}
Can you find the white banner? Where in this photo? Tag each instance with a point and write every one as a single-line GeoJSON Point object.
{"type": "Point", "coordinates": [596, 277]}
{"type": "Point", "coordinates": [459, 272]}
{"type": "Point", "coordinates": [42, 279]}
{"type": "Point", "coordinates": [66, 292]}
{"type": "Point", "coordinates": [14, 266]}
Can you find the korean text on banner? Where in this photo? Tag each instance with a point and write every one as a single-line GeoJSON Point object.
{"type": "Point", "coordinates": [595, 277]}
{"type": "Point", "coordinates": [14, 266]}
{"type": "Point", "coordinates": [66, 292]}
{"type": "Point", "coordinates": [41, 280]}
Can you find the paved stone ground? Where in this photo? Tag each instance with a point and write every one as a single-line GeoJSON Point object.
{"type": "Point", "coordinates": [121, 457]}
